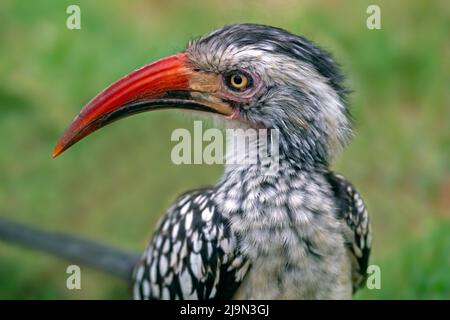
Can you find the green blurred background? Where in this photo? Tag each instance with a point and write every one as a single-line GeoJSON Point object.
{"type": "Point", "coordinates": [116, 184]}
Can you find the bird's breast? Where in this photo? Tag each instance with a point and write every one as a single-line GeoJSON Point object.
{"type": "Point", "coordinates": [288, 231]}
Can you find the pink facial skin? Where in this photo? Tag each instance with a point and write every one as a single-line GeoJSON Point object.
{"type": "Point", "coordinates": [243, 96]}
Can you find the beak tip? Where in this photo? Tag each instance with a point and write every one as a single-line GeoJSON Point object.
{"type": "Point", "coordinates": [57, 151]}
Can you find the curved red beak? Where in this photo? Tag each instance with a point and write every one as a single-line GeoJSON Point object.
{"type": "Point", "coordinates": [167, 83]}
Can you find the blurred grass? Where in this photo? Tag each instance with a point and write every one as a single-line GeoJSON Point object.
{"type": "Point", "coordinates": [115, 185]}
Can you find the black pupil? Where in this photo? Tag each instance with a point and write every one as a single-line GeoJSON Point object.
{"type": "Point", "coordinates": [237, 79]}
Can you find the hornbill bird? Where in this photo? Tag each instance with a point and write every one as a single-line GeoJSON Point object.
{"type": "Point", "coordinates": [300, 233]}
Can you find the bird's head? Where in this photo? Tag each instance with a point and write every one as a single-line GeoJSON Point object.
{"type": "Point", "coordinates": [254, 75]}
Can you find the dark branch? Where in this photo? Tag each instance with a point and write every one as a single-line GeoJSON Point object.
{"type": "Point", "coordinates": [114, 261]}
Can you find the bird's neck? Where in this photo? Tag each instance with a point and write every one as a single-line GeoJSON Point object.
{"type": "Point", "coordinates": [284, 169]}
{"type": "Point", "coordinates": [254, 180]}
{"type": "Point", "coordinates": [252, 186]}
{"type": "Point", "coordinates": [271, 212]}
{"type": "Point", "coordinates": [270, 153]}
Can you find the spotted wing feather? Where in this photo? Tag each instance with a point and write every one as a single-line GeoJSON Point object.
{"type": "Point", "coordinates": [352, 209]}
{"type": "Point", "coordinates": [192, 255]}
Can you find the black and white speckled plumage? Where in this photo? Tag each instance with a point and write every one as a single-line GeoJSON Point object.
{"type": "Point", "coordinates": [353, 210]}
{"type": "Point", "coordinates": [300, 233]}
{"type": "Point", "coordinates": [193, 254]}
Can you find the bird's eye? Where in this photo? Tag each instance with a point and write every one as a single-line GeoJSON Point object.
{"type": "Point", "coordinates": [238, 81]}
